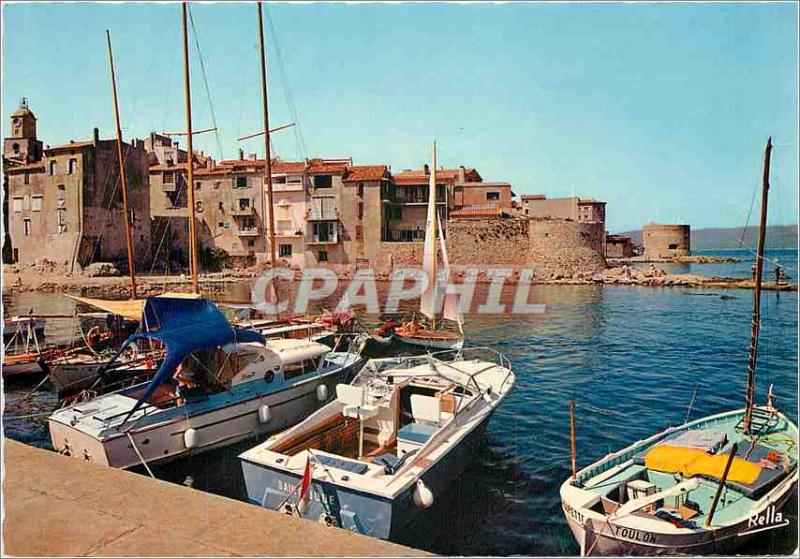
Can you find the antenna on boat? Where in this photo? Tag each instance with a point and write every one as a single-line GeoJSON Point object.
{"type": "Point", "coordinates": [123, 179]}
{"type": "Point", "coordinates": [756, 324]}
{"type": "Point", "coordinates": [267, 155]}
{"type": "Point", "coordinates": [572, 439]}
{"type": "Point", "coordinates": [190, 156]}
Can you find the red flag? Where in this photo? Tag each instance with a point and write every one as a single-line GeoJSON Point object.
{"type": "Point", "coordinates": [305, 487]}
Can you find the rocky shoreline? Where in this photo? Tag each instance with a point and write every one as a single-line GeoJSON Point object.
{"type": "Point", "coordinates": [31, 279]}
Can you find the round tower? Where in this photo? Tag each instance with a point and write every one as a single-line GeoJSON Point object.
{"type": "Point", "coordinates": [665, 241]}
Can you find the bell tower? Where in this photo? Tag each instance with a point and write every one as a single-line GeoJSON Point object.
{"type": "Point", "coordinates": [22, 145]}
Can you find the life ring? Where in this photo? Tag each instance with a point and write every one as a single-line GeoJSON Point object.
{"type": "Point", "coordinates": [93, 336]}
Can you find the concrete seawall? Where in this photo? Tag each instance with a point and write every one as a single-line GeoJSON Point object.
{"type": "Point", "coordinates": [59, 506]}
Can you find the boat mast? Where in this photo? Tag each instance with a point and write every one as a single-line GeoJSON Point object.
{"type": "Point", "coordinates": [267, 154]}
{"type": "Point", "coordinates": [756, 325]}
{"type": "Point", "coordinates": [190, 157]}
{"type": "Point", "coordinates": [123, 179]}
{"type": "Point", "coordinates": [432, 200]}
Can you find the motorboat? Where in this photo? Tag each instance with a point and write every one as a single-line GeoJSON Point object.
{"type": "Point", "coordinates": [216, 385]}
{"type": "Point", "coordinates": [386, 447]}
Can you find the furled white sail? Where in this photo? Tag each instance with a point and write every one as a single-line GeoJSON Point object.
{"type": "Point", "coordinates": [451, 302]}
{"type": "Point", "coordinates": [427, 302]}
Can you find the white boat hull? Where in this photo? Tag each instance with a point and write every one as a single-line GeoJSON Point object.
{"type": "Point", "coordinates": [73, 376]}
{"type": "Point", "coordinates": [167, 440]}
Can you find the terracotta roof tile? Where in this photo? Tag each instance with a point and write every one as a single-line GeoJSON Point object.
{"type": "Point", "coordinates": [366, 173]}
{"type": "Point", "coordinates": [71, 145]}
{"type": "Point", "coordinates": [328, 166]}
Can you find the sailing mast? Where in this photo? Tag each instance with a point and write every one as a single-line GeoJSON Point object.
{"type": "Point", "coordinates": [122, 177]}
{"type": "Point", "coordinates": [190, 157]}
{"type": "Point", "coordinates": [267, 154]}
{"type": "Point", "coordinates": [756, 325]}
{"type": "Point", "coordinates": [432, 231]}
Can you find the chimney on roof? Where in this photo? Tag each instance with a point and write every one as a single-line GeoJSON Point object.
{"type": "Point", "coordinates": [96, 135]}
{"type": "Point", "coordinates": [241, 154]}
{"type": "Point", "coordinates": [426, 169]}
{"type": "Point", "coordinates": [252, 156]}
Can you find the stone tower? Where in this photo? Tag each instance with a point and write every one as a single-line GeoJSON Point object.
{"type": "Point", "coordinates": [22, 145]}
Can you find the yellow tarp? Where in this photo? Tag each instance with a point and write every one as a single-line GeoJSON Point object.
{"type": "Point", "coordinates": [128, 308]}
{"type": "Point", "coordinates": [693, 462]}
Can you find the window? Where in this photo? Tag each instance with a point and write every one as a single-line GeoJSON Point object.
{"type": "Point", "coordinates": [279, 180]}
{"type": "Point", "coordinates": [359, 233]}
{"type": "Point", "coordinates": [285, 251]}
{"type": "Point", "coordinates": [17, 205]}
{"type": "Point", "coordinates": [251, 242]}
{"type": "Point", "coordinates": [323, 231]}
{"type": "Point", "coordinates": [37, 204]}
{"type": "Point", "coordinates": [244, 203]}
{"type": "Point", "coordinates": [492, 196]}
{"type": "Point", "coordinates": [673, 246]}
{"type": "Point", "coordinates": [361, 189]}
{"type": "Point", "coordinates": [72, 166]}
{"type": "Point", "coordinates": [15, 147]}
{"type": "Point", "coordinates": [27, 178]}
{"type": "Point", "coordinates": [216, 187]}
{"type": "Point", "coordinates": [294, 179]}
{"type": "Point", "coordinates": [197, 185]}
{"type": "Point", "coordinates": [169, 178]}
{"type": "Point", "coordinates": [61, 215]}
{"type": "Point", "coordinates": [240, 182]}
{"type": "Point", "coordinates": [292, 370]}
{"type": "Point", "coordinates": [221, 205]}
{"type": "Point", "coordinates": [53, 168]}
{"type": "Point", "coordinates": [323, 181]}
{"type": "Point", "coordinates": [26, 227]}
{"type": "Point", "coordinates": [221, 224]}
{"type": "Point", "coordinates": [247, 223]}
{"type": "Point", "coordinates": [361, 210]}
{"type": "Point", "coordinates": [322, 256]}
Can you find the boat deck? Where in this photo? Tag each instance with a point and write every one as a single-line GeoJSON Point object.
{"type": "Point", "coordinates": [610, 480]}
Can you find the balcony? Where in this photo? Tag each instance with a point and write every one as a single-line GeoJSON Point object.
{"type": "Point", "coordinates": [240, 211]}
{"type": "Point", "coordinates": [249, 232]}
{"type": "Point", "coordinates": [322, 214]}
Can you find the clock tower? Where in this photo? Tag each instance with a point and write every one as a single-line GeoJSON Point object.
{"type": "Point", "coordinates": [22, 145]}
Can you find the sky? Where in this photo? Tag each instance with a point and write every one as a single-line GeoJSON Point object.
{"type": "Point", "coordinates": [661, 110]}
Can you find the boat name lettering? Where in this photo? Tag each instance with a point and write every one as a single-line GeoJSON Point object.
{"type": "Point", "coordinates": [636, 535]}
{"type": "Point", "coordinates": [285, 487]}
{"type": "Point", "coordinates": [769, 517]}
{"type": "Point", "coordinates": [573, 513]}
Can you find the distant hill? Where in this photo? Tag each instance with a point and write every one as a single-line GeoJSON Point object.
{"type": "Point", "coordinates": [778, 236]}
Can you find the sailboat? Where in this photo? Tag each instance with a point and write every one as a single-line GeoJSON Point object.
{"type": "Point", "coordinates": [704, 487]}
{"type": "Point", "coordinates": [413, 333]}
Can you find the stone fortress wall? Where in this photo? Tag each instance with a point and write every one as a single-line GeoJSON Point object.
{"type": "Point", "coordinates": [551, 247]}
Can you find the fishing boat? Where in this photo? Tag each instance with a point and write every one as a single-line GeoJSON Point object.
{"type": "Point", "coordinates": [704, 487]}
{"type": "Point", "coordinates": [386, 447]}
{"type": "Point", "coordinates": [216, 385]}
{"type": "Point", "coordinates": [77, 371]}
{"type": "Point", "coordinates": [414, 332]}
{"type": "Point", "coordinates": [24, 352]}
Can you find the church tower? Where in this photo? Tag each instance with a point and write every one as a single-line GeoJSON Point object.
{"type": "Point", "coordinates": [22, 145]}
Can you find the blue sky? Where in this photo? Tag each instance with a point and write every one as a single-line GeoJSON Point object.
{"type": "Point", "coordinates": [661, 110]}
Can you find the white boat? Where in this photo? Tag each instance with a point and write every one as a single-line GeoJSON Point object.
{"type": "Point", "coordinates": [704, 487]}
{"type": "Point", "coordinates": [240, 388]}
{"type": "Point", "coordinates": [386, 448]}
{"type": "Point", "coordinates": [78, 371]}
{"type": "Point", "coordinates": [413, 333]}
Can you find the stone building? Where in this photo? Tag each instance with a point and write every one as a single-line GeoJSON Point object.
{"type": "Point", "coordinates": [66, 201]}
{"type": "Point", "coordinates": [325, 235]}
{"type": "Point", "coordinates": [364, 214]}
{"type": "Point", "coordinates": [578, 209]}
{"type": "Point", "coordinates": [619, 246]}
{"type": "Point", "coordinates": [665, 241]}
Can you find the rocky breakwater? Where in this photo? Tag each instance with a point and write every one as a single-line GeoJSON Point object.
{"type": "Point", "coordinates": [656, 277]}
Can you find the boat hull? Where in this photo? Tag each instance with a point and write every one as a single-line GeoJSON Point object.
{"type": "Point", "coordinates": [603, 539]}
{"type": "Point", "coordinates": [431, 343]}
{"type": "Point", "coordinates": [73, 376]}
{"type": "Point", "coordinates": [22, 368]}
{"type": "Point", "coordinates": [369, 514]}
{"type": "Point", "coordinates": [167, 440]}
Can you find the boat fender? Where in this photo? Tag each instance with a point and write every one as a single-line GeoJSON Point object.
{"type": "Point", "coordinates": [327, 520]}
{"type": "Point", "coordinates": [423, 496]}
{"type": "Point", "coordinates": [190, 438]}
{"type": "Point", "coordinates": [322, 392]}
{"type": "Point", "coordinates": [264, 414]}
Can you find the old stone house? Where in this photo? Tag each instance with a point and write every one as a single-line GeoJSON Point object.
{"type": "Point", "coordinates": [65, 202]}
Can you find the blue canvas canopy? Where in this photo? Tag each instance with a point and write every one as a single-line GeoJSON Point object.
{"type": "Point", "coordinates": [184, 325]}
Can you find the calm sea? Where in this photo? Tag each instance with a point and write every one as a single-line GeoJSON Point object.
{"type": "Point", "coordinates": [631, 358]}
